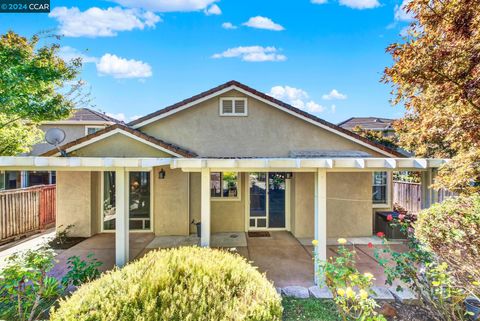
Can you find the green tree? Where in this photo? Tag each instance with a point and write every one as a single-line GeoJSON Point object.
{"type": "Point", "coordinates": [436, 75]}
{"type": "Point", "coordinates": [35, 85]}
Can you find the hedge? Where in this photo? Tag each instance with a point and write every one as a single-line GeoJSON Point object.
{"type": "Point", "coordinates": [188, 283]}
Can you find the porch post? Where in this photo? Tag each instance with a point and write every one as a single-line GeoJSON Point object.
{"type": "Point", "coordinates": [205, 208]}
{"type": "Point", "coordinates": [121, 217]}
{"type": "Point", "coordinates": [320, 208]}
{"type": "Point", "coordinates": [427, 193]}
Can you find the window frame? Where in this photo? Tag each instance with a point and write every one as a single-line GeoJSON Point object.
{"type": "Point", "coordinates": [388, 188]}
{"type": "Point", "coordinates": [95, 127]}
{"type": "Point", "coordinates": [234, 113]}
{"type": "Point", "coordinates": [222, 198]}
{"type": "Point", "coordinates": [102, 201]}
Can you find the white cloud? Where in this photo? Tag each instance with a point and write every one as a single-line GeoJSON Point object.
{"type": "Point", "coordinates": [260, 22]}
{"type": "Point", "coordinates": [252, 54]}
{"type": "Point", "coordinates": [360, 4]}
{"type": "Point", "coordinates": [118, 67]}
{"type": "Point", "coordinates": [334, 95]}
{"type": "Point", "coordinates": [296, 97]}
{"type": "Point", "coordinates": [400, 14]}
{"type": "Point", "coordinates": [68, 53]}
{"type": "Point", "coordinates": [319, 1]}
{"type": "Point", "coordinates": [119, 116]}
{"type": "Point", "coordinates": [213, 10]}
{"type": "Point", "coordinates": [334, 109]}
{"type": "Point", "coordinates": [228, 25]}
{"type": "Point", "coordinates": [167, 5]}
{"type": "Point", "coordinates": [96, 22]}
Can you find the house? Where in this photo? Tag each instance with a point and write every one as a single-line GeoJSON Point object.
{"type": "Point", "coordinates": [84, 121]}
{"type": "Point", "coordinates": [384, 125]}
{"type": "Point", "coordinates": [232, 158]}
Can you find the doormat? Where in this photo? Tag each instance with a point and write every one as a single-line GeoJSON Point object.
{"type": "Point", "coordinates": [259, 234]}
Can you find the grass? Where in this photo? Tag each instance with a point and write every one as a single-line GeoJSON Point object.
{"type": "Point", "coordinates": [309, 309]}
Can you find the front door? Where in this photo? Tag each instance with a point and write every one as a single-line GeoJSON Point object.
{"type": "Point", "coordinates": [267, 200]}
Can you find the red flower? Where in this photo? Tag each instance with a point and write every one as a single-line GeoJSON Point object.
{"type": "Point", "coordinates": [389, 217]}
{"type": "Point", "coordinates": [401, 217]}
{"type": "Point", "coordinates": [380, 234]}
{"type": "Point", "coordinates": [370, 245]}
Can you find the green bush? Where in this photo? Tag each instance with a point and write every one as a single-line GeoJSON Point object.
{"type": "Point", "coordinates": [187, 283]}
{"type": "Point", "coordinates": [451, 229]}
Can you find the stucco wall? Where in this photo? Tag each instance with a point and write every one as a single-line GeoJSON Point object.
{"type": "Point", "coordinates": [171, 202]}
{"type": "Point", "coordinates": [266, 131]}
{"type": "Point", "coordinates": [226, 216]}
{"type": "Point", "coordinates": [74, 202]}
{"type": "Point", "coordinates": [349, 205]}
{"type": "Point", "coordinates": [72, 132]}
{"type": "Point", "coordinates": [119, 145]}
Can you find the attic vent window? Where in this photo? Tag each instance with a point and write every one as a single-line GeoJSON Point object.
{"type": "Point", "coordinates": [233, 106]}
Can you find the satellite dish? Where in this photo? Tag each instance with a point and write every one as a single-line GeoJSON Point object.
{"type": "Point", "coordinates": [55, 136]}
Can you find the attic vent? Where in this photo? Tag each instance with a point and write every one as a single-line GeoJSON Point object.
{"type": "Point", "coordinates": [233, 106]}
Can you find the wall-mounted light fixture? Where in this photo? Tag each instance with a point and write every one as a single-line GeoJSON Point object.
{"type": "Point", "coordinates": [288, 175]}
{"type": "Point", "coordinates": [161, 174]}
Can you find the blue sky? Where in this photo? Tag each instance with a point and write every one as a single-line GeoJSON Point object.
{"type": "Point", "coordinates": [142, 55]}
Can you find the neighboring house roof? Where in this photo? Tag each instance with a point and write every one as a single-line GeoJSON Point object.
{"type": "Point", "coordinates": [122, 129]}
{"type": "Point", "coordinates": [372, 123]}
{"type": "Point", "coordinates": [235, 85]}
{"type": "Point", "coordinates": [86, 116]}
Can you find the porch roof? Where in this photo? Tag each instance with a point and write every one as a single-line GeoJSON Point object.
{"type": "Point", "coordinates": [237, 164]}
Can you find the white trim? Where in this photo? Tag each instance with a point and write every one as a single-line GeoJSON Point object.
{"type": "Point", "coordinates": [118, 131]}
{"type": "Point", "coordinates": [320, 219]}
{"type": "Point", "coordinates": [122, 232]}
{"type": "Point", "coordinates": [95, 127]}
{"type": "Point", "coordinates": [246, 92]}
{"type": "Point", "coordinates": [205, 207]}
{"type": "Point", "coordinates": [234, 111]}
{"type": "Point", "coordinates": [388, 191]}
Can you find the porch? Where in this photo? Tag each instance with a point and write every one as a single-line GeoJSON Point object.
{"type": "Point", "coordinates": [285, 260]}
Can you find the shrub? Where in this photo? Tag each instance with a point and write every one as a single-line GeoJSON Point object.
{"type": "Point", "coordinates": [451, 230]}
{"type": "Point", "coordinates": [187, 283]}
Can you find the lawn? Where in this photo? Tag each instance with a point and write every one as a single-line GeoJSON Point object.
{"type": "Point", "coordinates": [309, 309]}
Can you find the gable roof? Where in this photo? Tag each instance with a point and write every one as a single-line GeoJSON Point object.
{"type": "Point", "coordinates": [86, 116]}
{"type": "Point", "coordinates": [372, 123]}
{"type": "Point", "coordinates": [125, 130]}
{"type": "Point", "coordinates": [235, 85]}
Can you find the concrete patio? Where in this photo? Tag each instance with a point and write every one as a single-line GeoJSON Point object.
{"type": "Point", "coordinates": [284, 259]}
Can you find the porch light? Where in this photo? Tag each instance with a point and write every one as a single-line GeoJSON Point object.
{"type": "Point", "coordinates": [288, 175]}
{"type": "Point", "coordinates": [161, 174]}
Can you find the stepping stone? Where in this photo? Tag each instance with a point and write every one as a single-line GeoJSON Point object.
{"type": "Point", "coordinates": [405, 296]}
{"type": "Point", "coordinates": [320, 292]}
{"type": "Point", "coordinates": [279, 290]}
{"type": "Point", "coordinates": [381, 293]}
{"type": "Point", "coordinates": [298, 292]}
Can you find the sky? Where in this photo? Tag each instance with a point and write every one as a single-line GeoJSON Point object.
{"type": "Point", "coordinates": [324, 56]}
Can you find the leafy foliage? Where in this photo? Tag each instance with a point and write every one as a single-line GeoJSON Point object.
{"type": "Point", "coordinates": [376, 136]}
{"type": "Point", "coordinates": [349, 287]}
{"type": "Point", "coordinates": [186, 283]}
{"type": "Point", "coordinates": [81, 271]}
{"type": "Point", "coordinates": [31, 83]}
{"type": "Point", "coordinates": [451, 230]}
{"type": "Point", "coordinates": [436, 75]}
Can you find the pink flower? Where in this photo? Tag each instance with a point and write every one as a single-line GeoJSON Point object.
{"type": "Point", "coordinates": [401, 217]}
{"type": "Point", "coordinates": [370, 245]}
{"type": "Point", "coordinates": [389, 217]}
{"type": "Point", "coordinates": [380, 234]}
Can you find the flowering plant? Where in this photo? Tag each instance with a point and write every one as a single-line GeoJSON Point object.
{"type": "Point", "coordinates": [349, 287]}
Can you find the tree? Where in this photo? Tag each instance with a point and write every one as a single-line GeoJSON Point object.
{"type": "Point", "coordinates": [35, 85]}
{"type": "Point", "coordinates": [436, 75]}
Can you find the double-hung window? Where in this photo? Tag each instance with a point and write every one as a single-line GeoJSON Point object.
{"type": "Point", "coordinates": [225, 185]}
{"type": "Point", "coordinates": [380, 189]}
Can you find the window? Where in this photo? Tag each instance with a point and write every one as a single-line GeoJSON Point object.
{"type": "Point", "coordinates": [380, 188]}
{"type": "Point", "coordinates": [92, 129]}
{"type": "Point", "coordinates": [139, 200]}
{"type": "Point", "coordinates": [224, 185]}
{"type": "Point", "coordinates": [233, 106]}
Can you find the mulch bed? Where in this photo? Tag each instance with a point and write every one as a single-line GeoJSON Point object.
{"type": "Point", "coordinates": [67, 243]}
{"type": "Point", "coordinates": [407, 312]}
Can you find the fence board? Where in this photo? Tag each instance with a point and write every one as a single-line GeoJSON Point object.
{"type": "Point", "coordinates": [26, 210]}
{"type": "Point", "coordinates": [408, 195]}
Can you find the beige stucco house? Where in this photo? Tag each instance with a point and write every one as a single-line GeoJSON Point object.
{"type": "Point", "coordinates": [232, 158]}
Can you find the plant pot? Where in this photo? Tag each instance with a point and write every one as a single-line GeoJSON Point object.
{"type": "Point", "coordinates": [473, 308]}
{"type": "Point", "coordinates": [199, 229]}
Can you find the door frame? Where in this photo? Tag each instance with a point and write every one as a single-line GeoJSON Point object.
{"type": "Point", "coordinates": [247, 205]}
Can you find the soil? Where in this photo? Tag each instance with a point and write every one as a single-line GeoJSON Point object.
{"type": "Point", "coordinates": [410, 312]}
{"type": "Point", "coordinates": [66, 243]}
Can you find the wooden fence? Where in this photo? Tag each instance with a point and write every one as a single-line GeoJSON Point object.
{"type": "Point", "coordinates": [26, 210]}
{"type": "Point", "coordinates": [408, 195]}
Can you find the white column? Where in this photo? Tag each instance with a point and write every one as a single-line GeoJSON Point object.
{"type": "Point", "coordinates": [320, 208]}
{"type": "Point", "coordinates": [427, 193]}
{"type": "Point", "coordinates": [205, 207]}
{"type": "Point", "coordinates": [121, 217]}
